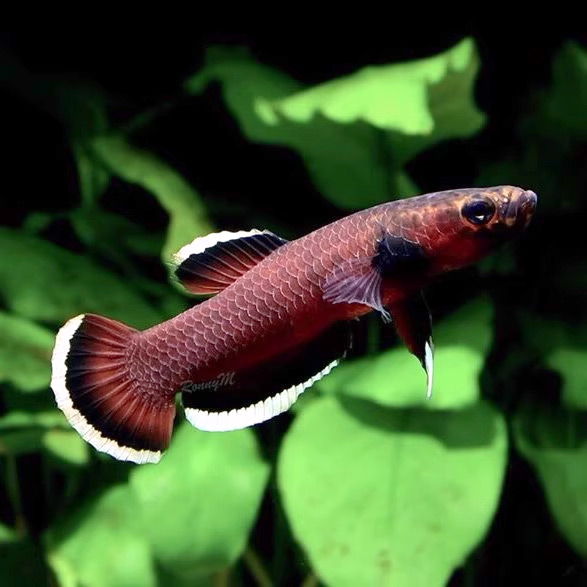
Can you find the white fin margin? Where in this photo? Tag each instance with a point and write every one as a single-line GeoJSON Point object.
{"type": "Point", "coordinates": [74, 416]}
{"type": "Point", "coordinates": [200, 244]}
{"type": "Point", "coordinates": [429, 366]}
{"type": "Point", "coordinates": [256, 413]}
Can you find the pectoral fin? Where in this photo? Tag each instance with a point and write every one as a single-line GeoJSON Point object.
{"type": "Point", "coordinates": [413, 324]}
{"type": "Point", "coordinates": [356, 281]}
{"type": "Point", "coordinates": [360, 279]}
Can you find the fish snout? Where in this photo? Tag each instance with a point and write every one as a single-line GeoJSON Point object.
{"type": "Point", "coordinates": [520, 209]}
{"type": "Point", "coordinates": [526, 206]}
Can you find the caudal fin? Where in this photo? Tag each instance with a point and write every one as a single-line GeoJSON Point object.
{"type": "Point", "coordinates": [94, 388]}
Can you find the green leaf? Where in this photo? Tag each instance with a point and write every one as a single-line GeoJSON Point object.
{"type": "Point", "coordinates": [372, 492]}
{"type": "Point", "coordinates": [562, 107]}
{"type": "Point", "coordinates": [99, 545]}
{"type": "Point", "coordinates": [570, 363]}
{"type": "Point", "coordinates": [244, 82]}
{"type": "Point", "coordinates": [113, 235]}
{"type": "Point", "coordinates": [7, 534]}
{"type": "Point", "coordinates": [18, 442]}
{"type": "Point", "coordinates": [94, 178]}
{"type": "Point", "coordinates": [67, 445]}
{"type": "Point", "coordinates": [26, 432]}
{"type": "Point", "coordinates": [562, 348]}
{"type": "Point", "coordinates": [191, 514]}
{"type": "Point", "coordinates": [187, 215]}
{"type": "Point", "coordinates": [83, 109]}
{"type": "Point", "coordinates": [45, 420]}
{"type": "Point", "coordinates": [555, 443]}
{"type": "Point", "coordinates": [25, 353]}
{"type": "Point", "coordinates": [23, 432]}
{"type": "Point", "coordinates": [41, 281]}
{"type": "Point", "coordinates": [199, 504]}
{"type": "Point", "coordinates": [344, 162]}
{"type": "Point", "coordinates": [395, 378]}
{"type": "Point", "coordinates": [413, 98]}
{"type": "Point", "coordinates": [356, 132]}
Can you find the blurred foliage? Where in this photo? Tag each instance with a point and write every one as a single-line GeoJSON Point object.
{"type": "Point", "coordinates": [187, 216]}
{"type": "Point", "coordinates": [554, 442]}
{"type": "Point", "coordinates": [371, 484]}
{"type": "Point", "coordinates": [355, 133]}
{"type": "Point", "coordinates": [191, 515]}
{"type": "Point", "coordinates": [25, 350]}
{"type": "Point", "coordinates": [32, 284]}
{"type": "Point", "coordinates": [409, 476]}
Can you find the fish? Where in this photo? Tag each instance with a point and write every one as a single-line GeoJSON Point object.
{"type": "Point", "coordinates": [277, 318]}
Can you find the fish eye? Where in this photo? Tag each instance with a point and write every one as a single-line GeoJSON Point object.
{"type": "Point", "coordinates": [479, 211]}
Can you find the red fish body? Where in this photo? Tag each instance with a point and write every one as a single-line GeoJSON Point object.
{"type": "Point", "coordinates": [278, 320]}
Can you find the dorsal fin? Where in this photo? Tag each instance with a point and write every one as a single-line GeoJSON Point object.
{"type": "Point", "coordinates": [211, 263]}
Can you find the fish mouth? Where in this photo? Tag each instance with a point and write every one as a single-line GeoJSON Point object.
{"type": "Point", "coordinates": [520, 209]}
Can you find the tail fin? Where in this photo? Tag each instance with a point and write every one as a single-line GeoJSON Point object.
{"type": "Point", "coordinates": [96, 392]}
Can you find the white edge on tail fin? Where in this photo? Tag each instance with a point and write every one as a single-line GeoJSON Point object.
{"type": "Point", "coordinates": [74, 417]}
{"type": "Point", "coordinates": [256, 413]}
{"type": "Point", "coordinates": [200, 244]}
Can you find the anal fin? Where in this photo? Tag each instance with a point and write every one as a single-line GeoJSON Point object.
{"type": "Point", "coordinates": [239, 399]}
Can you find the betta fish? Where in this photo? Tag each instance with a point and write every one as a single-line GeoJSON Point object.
{"type": "Point", "coordinates": [278, 319]}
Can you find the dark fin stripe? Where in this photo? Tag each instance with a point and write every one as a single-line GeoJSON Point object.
{"type": "Point", "coordinates": [90, 389]}
{"type": "Point", "coordinates": [228, 259]}
{"type": "Point", "coordinates": [412, 321]}
{"type": "Point", "coordinates": [250, 396]}
{"type": "Point", "coordinates": [95, 391]}
{"type": "Point", "coordinates": [219, 270]}
{"type": "Point", "coordinates": [210, 264]}
{"type": "Point", "coordinates": [112, 331]}
{"type": "Point", "coordinates": [247, 256]}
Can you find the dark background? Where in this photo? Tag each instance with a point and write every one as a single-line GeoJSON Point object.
{"type": "Point", "coordinates": [140, 72]}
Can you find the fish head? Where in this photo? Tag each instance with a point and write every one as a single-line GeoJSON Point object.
{"type": "Point", "coordinates": [471, 223]}
{"type": "Point", "coordinates": [502, 211]}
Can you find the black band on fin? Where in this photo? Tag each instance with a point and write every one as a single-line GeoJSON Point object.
{"type": "Point", "coordinates": [247, 397]}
